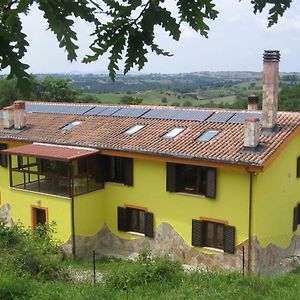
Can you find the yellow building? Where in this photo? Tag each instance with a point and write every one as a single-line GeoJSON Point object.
{"type": "Point", "coordinates": [209, 187]}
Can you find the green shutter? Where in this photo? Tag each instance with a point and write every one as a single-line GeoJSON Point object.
{"type": "Point", "coordinates": [296, 220]}
{"type": "Point", "coordinates": [128, 171]}
{"type": "Point", "coordinates": [298, 167]}
{"type": "Point", "coordinates": [198, 233]}
{"type": "Point", "coordinates": [211, 183]}
{"type": "Point", "coordinates": [149, 226]}
{"type": "Point", "coordinates": [122, 219]}
{"type": "Point", "coordinates": [229, 239]}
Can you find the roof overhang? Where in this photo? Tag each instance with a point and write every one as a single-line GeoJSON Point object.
{"type": "Point", "coordinates": [51, 152]}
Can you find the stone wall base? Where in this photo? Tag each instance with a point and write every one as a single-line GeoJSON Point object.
{"type": "Point", "coordinates": [167, 241]}
{"type": "Point", "coordinates": [5, 214]}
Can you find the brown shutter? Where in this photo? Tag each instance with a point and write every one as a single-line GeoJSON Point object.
{"type": "Point", "coordinates": [296, 220]}
{"type": "Point", "coordinates": [229, 239]}
{"type": "Point", "coordinates": [103, 161]}
{"type": "Point", "coordinates": [198, 233]}
{"type": "Point", "coordinates": [128, 171]}
{"type": "Point", "coordinates": [171, 177]}
{"type": "Point", "coordinates": [149, 230]}
{"type": "Point", "coordinates": [122, 219]}
{"type": "Point", "coordinates": [298, 167]}
{"type": "Point", "coordinates": [3, 157]}
{"type": "Point", "coordinates": [211, 182]}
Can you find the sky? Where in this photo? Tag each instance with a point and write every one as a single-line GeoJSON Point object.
{"type": "Point", "coordinates": [236, 42]}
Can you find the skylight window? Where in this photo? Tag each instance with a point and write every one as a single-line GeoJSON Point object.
{"type": "Point", "coordinates": [134, 129]}
{"type": "Point", "coordinates": [208, 135]}
{"type": "Point", "coordinates": [70, 126]}
{"type": "Point", "coordinates": [173, 132]}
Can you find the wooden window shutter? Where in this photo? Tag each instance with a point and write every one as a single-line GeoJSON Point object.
{"type": "Point", "coordinates": [128, 171]}
{"type": "Point", "coordinates": [211, 182]}
{"type": "Point", "coordinates": [198, 234]}
{"type": "Point", "coordinates": [298, 167]}
{"type": "Point", "coordinates": [171, 177]}
{"type": "Point", "coordinates": [122, 219]}
{"type": "Point", "coordinates": [149, 226]}
{"type": "Point", "coordinates": [296, 220]}
{"type": "Point", "coordinates": [103, 161]}
{"type": "Point", "coordinates": [3, 157]}
{"type": "Point", "coordinates": [229, 239]}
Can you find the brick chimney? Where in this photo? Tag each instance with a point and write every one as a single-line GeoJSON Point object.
{"type": "Point", "coordinates": [8, 117]}
{"type": "Point", "coordinates": [252, 102]}
{"type": "Point", "coordinates": [19, 114]}
{"type": "Point", "coordinates": [270, 89]}
{"type": "Point", "coordinates": [252, 130]}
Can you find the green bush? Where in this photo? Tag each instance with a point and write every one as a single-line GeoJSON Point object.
{"type": "Point", "coordinates": [32, 253]}
{"type": "Point", "coordinates": [146, 270]}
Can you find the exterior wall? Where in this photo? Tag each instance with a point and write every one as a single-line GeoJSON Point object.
{"type": "Point", "coordinates": [21, 202]}
{"type": "Point", "coordinates": [275, 194]}
{"type": "Point", "coordinates": [178, 209]}
{"type": "Point", "coordinates": [89, 213]}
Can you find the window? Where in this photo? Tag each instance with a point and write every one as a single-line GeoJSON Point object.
{"type": "Point", "coordinates": [213, 234]}
{"type": "Point", "coordinates": [296, 220]}
{"type": "Point", "coordinates": [70, 126]}
{"type": "Point", "coordinates": [135, 220]}
{"type": "Point", "coordinates": [298, 167]}
{"type": "Point", "coordinates": [208, 135]}
{"type": "Point", "coordinates": [57, 177]}
{"type": "Point", "coordinates": [134, 129]}
{"type": "Point", "coordinates": [191, 179]}
{"type": "Point", "coordinates": [118, 169]}
{"type": "Point", "coordinates": [173, 133]}
{"type": "Point", "coordinates": [3, 157]}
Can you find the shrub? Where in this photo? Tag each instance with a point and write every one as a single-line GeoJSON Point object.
{"type": "Point", "coordinates": [146, 270]}
{"type": "Point", "coordinates": [32, 253]}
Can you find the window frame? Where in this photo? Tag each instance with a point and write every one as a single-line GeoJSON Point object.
{"type": "Point", "coordinates": [144, 226]}
{"type": "Point", "coordinates": [133, 129]}
{"type": "Point", "coordinates": [205, 179]}
{"type": "Point", "coordinates": [169, 136]}
{"type": "Point", "coordinates": [200, 235]}
{"type": "Point", "coordinates": [208, 135]}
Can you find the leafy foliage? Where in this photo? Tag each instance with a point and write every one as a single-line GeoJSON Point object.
{"type": "Point", "coordinates": [289, 99]}
{"type": "Point", "coordinates": [122, 28]}
{"type": "Point", "coordinates": [33, 254]}
{"type": "Point", "coordinates": [147, 270]}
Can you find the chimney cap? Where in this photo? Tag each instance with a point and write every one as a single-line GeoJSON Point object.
{"type": "Point", "coordinates": [253, 99]}
{"type": "Point", "coordinates": [19, 104]}
{"type": "Point", "coordinates": [271, 56]}
{"type": "Point", "coordinates": [252, 120]}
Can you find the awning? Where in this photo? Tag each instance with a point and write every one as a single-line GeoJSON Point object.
{"type": "Point", "coordinates": [51, 152]}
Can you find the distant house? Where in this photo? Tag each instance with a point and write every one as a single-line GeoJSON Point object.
{"type": "Point", "coordinates": [219, 189]}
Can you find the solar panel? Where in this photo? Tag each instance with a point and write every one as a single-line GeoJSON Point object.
{"type": "Point", "coordinates": [239, 118]}
{"type": "Point", "coordinates": [160, 114]}
{"type": "Point", "coordinates": [59, 109]}
{"type": "Point", "coordinates": [96, 110]}
{"type": "Point", "coordinates": [222, 116]}
{"type": "Point", "coordinates": [130, 112]}
{"type": "Point", "coordinates": [193, 115]}
{"type": "Point", "coordinates": [108, 111]}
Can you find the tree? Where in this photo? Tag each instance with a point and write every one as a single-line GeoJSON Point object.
{"type": "Point", "coordinates": [127, 29]}
{"type": "Point", "coordinates": [131, 100]}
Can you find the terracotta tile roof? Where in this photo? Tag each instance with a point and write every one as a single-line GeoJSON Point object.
{"type": "Point", "coordinates": [105, 132]}
{"type": "Point", "coordinates": [55, 152]}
